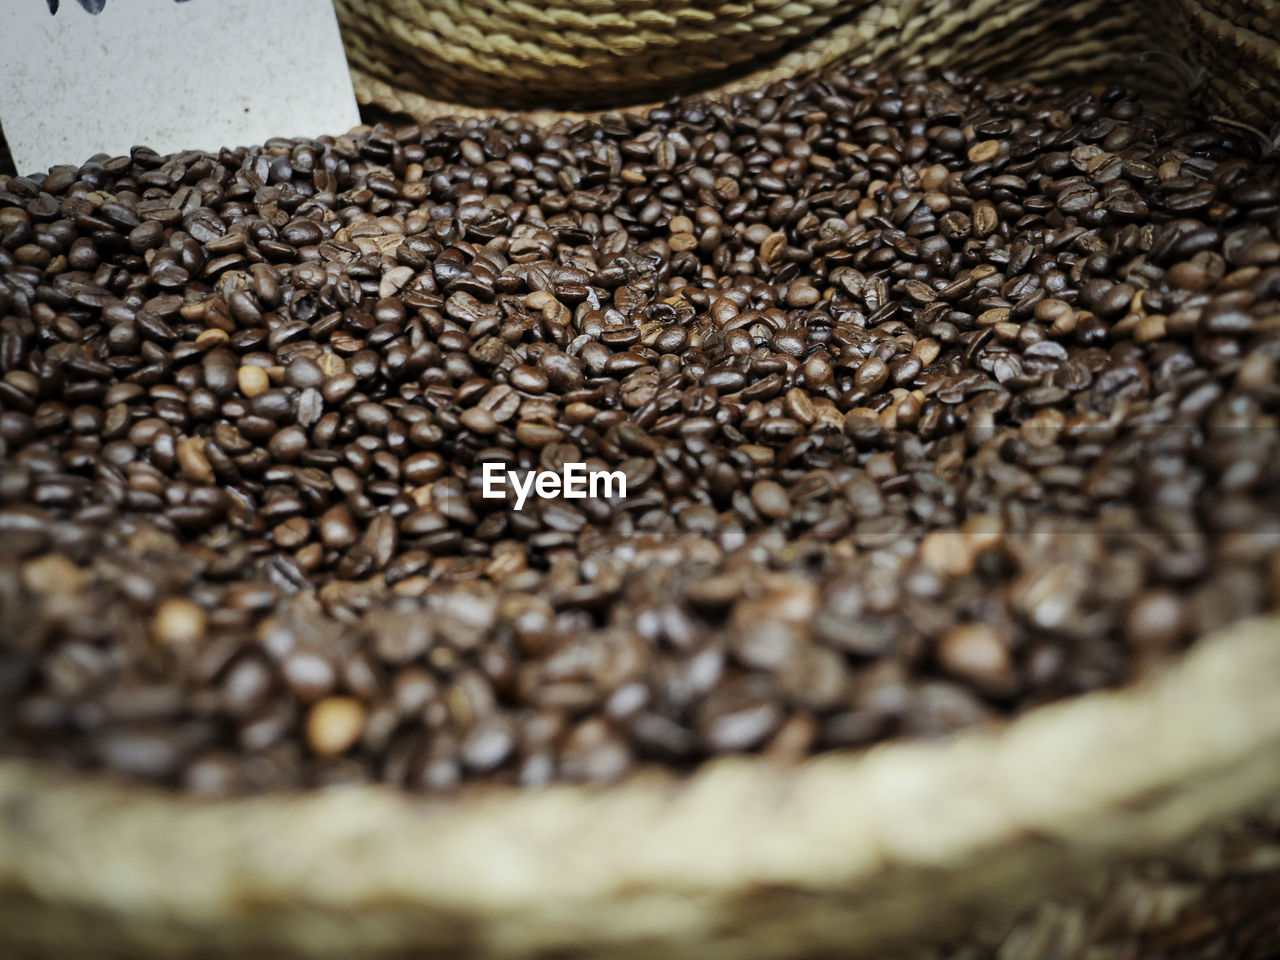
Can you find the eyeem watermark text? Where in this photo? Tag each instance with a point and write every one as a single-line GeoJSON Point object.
{"type": "Point", "coordinates": [576, 482]}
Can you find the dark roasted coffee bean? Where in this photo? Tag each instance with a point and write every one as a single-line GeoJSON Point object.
{"type": "Point", "coordinates": [922, 425]}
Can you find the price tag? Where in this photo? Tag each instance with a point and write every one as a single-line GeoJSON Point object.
{"type": "Point", "coordinates": [82, 77]}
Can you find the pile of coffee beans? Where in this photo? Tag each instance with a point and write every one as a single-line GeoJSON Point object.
{"type": "Point", "coordinates": [936, 400]}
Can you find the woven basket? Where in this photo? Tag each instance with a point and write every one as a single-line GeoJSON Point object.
{"type": "Point", "coordinates": [1141, 823]}
{"type": "Point", "coordinates": [1131, 821]}
{"type": "Point", "coordinates": [432, 57]}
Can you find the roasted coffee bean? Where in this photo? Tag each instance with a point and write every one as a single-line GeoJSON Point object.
{"type": "Point", "coordinates": [931, 409]}
{"type": "Point", "coordinates": [334, 725]}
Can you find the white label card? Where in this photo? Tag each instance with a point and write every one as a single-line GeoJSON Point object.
{"type": "Point", "coordinates": [82, 77]}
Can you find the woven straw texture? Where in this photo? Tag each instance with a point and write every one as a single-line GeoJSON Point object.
{"type": "Point", "coordinates": [428, 57]}
{"type": "Point", "coordinates": [847, 856]}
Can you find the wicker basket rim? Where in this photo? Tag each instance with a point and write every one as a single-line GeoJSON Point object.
{"type": "Point", "coordinates": [1107, 774]}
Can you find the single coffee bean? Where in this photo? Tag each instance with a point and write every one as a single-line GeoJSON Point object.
{"type": "Point", "coordinates": [252, 380]}
{"type": "Point", "coordinates": [178, 621]}
{"type": "Point", "coordinates": [334, 725]}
